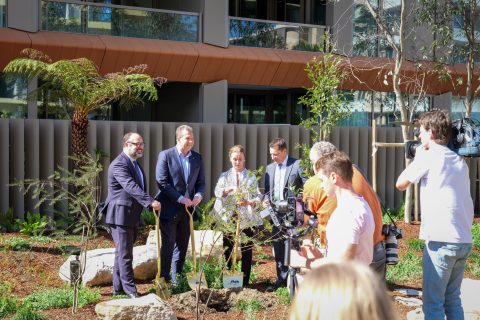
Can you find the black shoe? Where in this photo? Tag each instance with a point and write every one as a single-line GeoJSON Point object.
{"type": "Point", "coordinates": [271, 288]}
{"type": "Point", "coordinates": [118, 293]}
{"type": "Point", "coordinates": [133, 295]}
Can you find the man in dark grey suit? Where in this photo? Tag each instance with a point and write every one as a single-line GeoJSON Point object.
{"type": "Point", "coordinates": [181, 181]}
{"type": "Point", "coordinates": [283, 179]}
{"type": "Point", "coordinates": [125, 201]}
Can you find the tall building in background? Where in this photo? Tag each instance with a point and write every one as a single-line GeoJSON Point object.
{"type": "Point", "coordinates": [235, 61]}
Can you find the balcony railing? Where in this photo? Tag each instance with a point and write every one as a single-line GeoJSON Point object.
{"type": "Point", "coordinates": [3, 13]}
{"type": "Point", "coordinates": [276, 34]}
{"type": "Point", "coordinates": [115, 20]}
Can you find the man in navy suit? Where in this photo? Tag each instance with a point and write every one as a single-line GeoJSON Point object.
{"type": "Point", "coordinates": [126, 198]}
{"type": "Point", "coordinates": [181, 182]}
{"type": "Point", "coordinates": [283, 179]}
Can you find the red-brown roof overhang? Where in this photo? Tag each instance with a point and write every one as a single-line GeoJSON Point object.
{"type": "Point", "coordinates": [203, 63]}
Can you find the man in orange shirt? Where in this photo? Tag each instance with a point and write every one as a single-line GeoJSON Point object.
{"type": "Point", "coordinates": [323, 206]}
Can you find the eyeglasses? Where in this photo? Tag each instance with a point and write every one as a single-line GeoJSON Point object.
{"type": "Point", "coordinates": [137, 144]}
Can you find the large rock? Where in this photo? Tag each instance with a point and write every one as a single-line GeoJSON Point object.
{"type": "Point", "coordinates": [99, 265]}
{"type": "Point", "coordinates": [207, 242]}
{"type": "Point", "coordinates": [143, 308]}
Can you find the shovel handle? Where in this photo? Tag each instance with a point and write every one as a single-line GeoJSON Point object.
{"type": "Point", "coordinates": [192, 237]}
{"type": "Point", "coordinates": [157, 231]}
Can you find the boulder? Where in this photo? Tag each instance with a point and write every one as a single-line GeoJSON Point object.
{"type": "Point", "coordinates": [99, 265]}
{"type": "Point", "coordinates": [207, 243]}
{"type": "Point", "coordinates": [143, 308]}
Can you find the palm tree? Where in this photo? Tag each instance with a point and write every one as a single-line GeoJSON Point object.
{"type": "Point", "coordinates": [80, 83]}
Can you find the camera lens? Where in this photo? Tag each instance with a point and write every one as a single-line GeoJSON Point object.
{"type": "Point", "coordinates": [410, 148]}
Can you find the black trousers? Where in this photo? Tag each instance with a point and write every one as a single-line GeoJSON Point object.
{"type": "Point", "coordinates": [246, 249]}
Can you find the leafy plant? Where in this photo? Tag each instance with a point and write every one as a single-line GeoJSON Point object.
{"type": "Point", "coordinates": [33, 225]}
{"type": "Point", "coordinates": [325, 103]}
{"type": "Point", "coordinates": [8, 303]}
{"type": "Point", "coordinates": [283, 295]}
{"type": "Point", "coordinates": [27, 312]}
{"type": "Point", "coordinates": [416, 244]}
{"type": "Point", "coordinates": [16, 243]}
{"type": "Point", "coordinates": [476, 235]}
{"type": "Point", "coordinates": [249, 307]}
{"type": "Point", "coordinates": [8, 223]}
{"type": "Point", "coordinates": [61, 298]}
{"type": "Point", "coordinates": [473, 264]}
{"type": "Point", "coordinates": [42, 239]}
{"type": "Point", "coordinates": [262, 256]}
{"type": "Point", "coordinates": [147, 218]}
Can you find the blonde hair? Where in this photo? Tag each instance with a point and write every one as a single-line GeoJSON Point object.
{"type": "Point", "coordinates": [342, 291]}
{"type": "Point", "coordinates": [236, 148]}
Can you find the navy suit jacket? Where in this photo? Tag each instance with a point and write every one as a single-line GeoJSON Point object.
{"type": "Point", "coordinates": [126, 198]}
{"type": "Point", "coordinates": [171, 181]}
{"type": "Point", "coordinates": [294, 178]}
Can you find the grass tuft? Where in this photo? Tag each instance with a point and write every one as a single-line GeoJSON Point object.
{"type": "Point", "coordinates": [61, 298]}
{"type": "Point", "coordinates": [409, 267]}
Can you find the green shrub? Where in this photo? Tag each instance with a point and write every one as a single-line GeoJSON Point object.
{"type": "Point", "coordinates": [34, 224]}
{"type": "Point", "coordinates": [8, 303]}
{"type": "Point", "coordinates": [61, 298]}
{"type": "Point", "coordinates": [473, 264]}
{"type": "Point", "coordinates": [8, 223]}
{"type": "Point", "coordinates": [283, 295]}
{"type": "Point", "coordinates": [16, 243]}
{"type": "Point", "coordinates": [42, 239]}
{"type": "Point", "coordinates": [476, 235]}
{"type": "Point", "coordinates": [27, 312]}
{"type": "Point", "coordinates": [147, 218]}
{"type": "Point", "coordinates": [247, 306]}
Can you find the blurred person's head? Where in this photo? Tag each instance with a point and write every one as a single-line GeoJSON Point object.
{"type": "Point", "coordinates": [237, 157]}
{"type": "Point", "coordinates": [436, 126]}
{"type": "Point", "coordinates": [320, 149]}
{"type": "Point", "coordinates": [342, 291]}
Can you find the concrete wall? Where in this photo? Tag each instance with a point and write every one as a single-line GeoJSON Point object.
{"type": "Point", "coordinates": [214, 101]}
{"type": "Point", "coordinates": [23, 15]}
{"type": "Point", "coordinates": [215, 23]}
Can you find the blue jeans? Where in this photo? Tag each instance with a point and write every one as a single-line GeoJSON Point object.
{"type": "Point", "coordinates": [443, 268]}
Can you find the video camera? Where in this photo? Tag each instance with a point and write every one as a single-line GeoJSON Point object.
{"type": "Point", "coordinates": [464, 140]}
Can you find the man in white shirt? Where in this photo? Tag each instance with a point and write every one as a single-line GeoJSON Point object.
{"type": "Point", "coordinates": [447, 216]}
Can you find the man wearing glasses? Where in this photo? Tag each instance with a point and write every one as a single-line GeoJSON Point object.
{"type": "Point", "coordinates": [127, 196]}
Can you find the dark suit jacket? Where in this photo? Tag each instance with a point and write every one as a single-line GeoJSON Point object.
{"type": "Point", "coordinates": [126, 198]}
{"type": "Point", "coordinates": [171, 181]}
{"type": "Point", "coordinates": [294, 178]}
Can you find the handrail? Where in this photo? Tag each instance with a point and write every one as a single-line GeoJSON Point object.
{"type": "Point", "coordinates": [116, 6]}
{"type": "Point", "coordinates": [280, 22]}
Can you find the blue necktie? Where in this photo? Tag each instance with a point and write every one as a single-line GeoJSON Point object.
{"type": "Point", "coordinates": [138, 172]}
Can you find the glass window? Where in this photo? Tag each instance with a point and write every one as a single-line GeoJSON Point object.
{"type": "Point", "coordinates": [3, 13]}
{"type": "Point", "coordinates": [459, 109]}
{"type": "Point", "coordinates": [13, 96]}
{"type": "Point", "coordinates": [367, 40]}
{"type": "Point", "coordinates": [280, 109]}
{"type": "Point", "coordinates": [247, 109]}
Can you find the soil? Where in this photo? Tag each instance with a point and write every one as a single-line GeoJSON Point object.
{"type": "Point", "coordinates": [37, 268]}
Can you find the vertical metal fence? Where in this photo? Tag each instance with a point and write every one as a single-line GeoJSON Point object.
{"type": "Point", "coordinates": [35, 148]}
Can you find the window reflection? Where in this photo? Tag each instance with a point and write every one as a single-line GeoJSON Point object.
{"type": "Point", "coordinates": [13, 96]}
{"type": "Point", "coordinates": [3, 14]}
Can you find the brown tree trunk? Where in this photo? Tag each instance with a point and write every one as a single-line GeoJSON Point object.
{"type": "Point", "coordinates": [79, 133]}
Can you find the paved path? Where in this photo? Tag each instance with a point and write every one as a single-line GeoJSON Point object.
{"type": "Point", "coordinates": [470, 301]}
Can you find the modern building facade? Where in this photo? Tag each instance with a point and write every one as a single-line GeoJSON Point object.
{"type": "Point", "coordinates": [236, 61]}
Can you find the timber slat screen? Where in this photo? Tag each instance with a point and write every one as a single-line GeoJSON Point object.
{"type": "Point", "coordinates": [35, 148]}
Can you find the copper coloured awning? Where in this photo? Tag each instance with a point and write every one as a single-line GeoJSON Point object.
{"type": "Point", "coordinates": [203, 63]}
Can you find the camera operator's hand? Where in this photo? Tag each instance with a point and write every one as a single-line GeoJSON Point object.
{"type": "Point", "coordinates": [311, 255]}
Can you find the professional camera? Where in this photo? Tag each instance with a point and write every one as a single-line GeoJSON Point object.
{"type": "Point", "coordinates": [464, 140]}
{"type": "Point", "coordinates": [391, 233]}
{"type": "Point", "coordinates": [286, 213]}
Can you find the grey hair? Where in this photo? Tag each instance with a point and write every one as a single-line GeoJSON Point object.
{"type": "Point", "coordinates": [320, 149]}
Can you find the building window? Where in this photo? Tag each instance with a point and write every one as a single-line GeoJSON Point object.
{"type": "Point", "coordinates": [13, 97]}
{"type": "Point", "coordinates": [367, 39]}
{"type": "Point", "coordinates": [3, 14]}
{"type": "Point", "coordinates": [458, 109]}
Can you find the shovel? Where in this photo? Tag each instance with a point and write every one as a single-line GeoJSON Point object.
{"type": "Point", "coordinates": [160, 284]}
{"type": "Point", "coordinates": [195, 279]}
{"type": "Point", "coordinates": [234, 279]}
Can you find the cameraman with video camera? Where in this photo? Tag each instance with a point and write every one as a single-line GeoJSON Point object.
{"type": "Point", "coordinates": [282, 177]}
{"type": "Point", "coordinates": [447, 215]}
